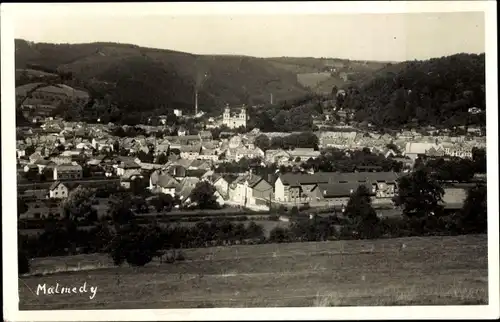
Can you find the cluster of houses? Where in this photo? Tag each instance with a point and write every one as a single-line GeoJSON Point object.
{"type": "Point", "coordinates": [410, 144]}
{"type": "Point", "coordinates": [69, 154]}
{"type": "Point", "coordinates": [413, 150]}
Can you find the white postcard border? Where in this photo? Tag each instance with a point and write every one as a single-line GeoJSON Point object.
{"type": "Point", "coordinates": [9, 224]}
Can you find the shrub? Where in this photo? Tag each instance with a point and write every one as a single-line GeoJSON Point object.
{"type": "Point", "coordinates": [294, 211]}
{"type": "Point", "coordinates": [138, 257]}
{"type": "Point", "coordinates": [305, 207]}
{"type": "Point", "coordinates": [169, 258]}
{"type": "Point", "coordinates": [137, 245]}
{"type": "Point", "coordinates": [179, 256]}
{"type": "Point", "coordinates": [279, 235]}
{"type": "Point", "coordinates": [254, 231]}
{"type": "Point", "coordinates": [274, 218]}
{"type": "Point", "coordinates": [394, 227]}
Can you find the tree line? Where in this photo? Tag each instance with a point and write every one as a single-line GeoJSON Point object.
{"type": "Point", "coordinates": [296, 140]}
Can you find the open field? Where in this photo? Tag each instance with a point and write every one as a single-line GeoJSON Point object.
{"type": "Point", "coordinates": [312, 80]}
{"type": "Point", "coordinates": [430, 270]}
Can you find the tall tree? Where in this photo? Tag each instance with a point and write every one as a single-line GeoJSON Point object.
{"type": "Point", "coordinates": [203, 195]}
{"type": "Point", "coordinates": [419, 194]}
{"type": "Point", "coordinates": [363, 218]}
{"type": "Point", "coordinates": [121, 210]}
{"type": "Point", "coordinates": [479, 158]}
{"type": "Point", "coordinates": [163, 202]}
{"type": "Point", "coordinates": [474, 214]}
{"type": "Point", "coordinates": [263, 142]}
{"type": "Point", "coordinates": [22, 207]}
{"type": "Point", "coordinates": [78, 205]}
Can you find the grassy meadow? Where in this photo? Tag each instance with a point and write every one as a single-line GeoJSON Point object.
{"type": "Point", "coordinates": [426, 271]}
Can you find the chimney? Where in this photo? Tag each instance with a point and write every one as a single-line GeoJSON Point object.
{"type": "Point", "coordinates": [196, 101]}
{"type": "Point", "coordinates": [271, 98]}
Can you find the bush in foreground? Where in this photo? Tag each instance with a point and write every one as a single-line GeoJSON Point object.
{"type": "Point", "coordinates": [134, 244]}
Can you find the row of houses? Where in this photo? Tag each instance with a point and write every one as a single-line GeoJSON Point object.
{"type": "Point", "coordinates": [333, 188]}
{"type": "Point", "coordinates": [247, 189]}
{"type": "Point", "coordinates": [253, 191]}
{"type": "Point", "coordinates": [446, 149]}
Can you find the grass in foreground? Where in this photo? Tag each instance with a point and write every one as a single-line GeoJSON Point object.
{"type": "Point", "coordinates": [431, 270]}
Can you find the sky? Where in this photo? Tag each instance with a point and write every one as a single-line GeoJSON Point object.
{"type": "Point", "coordinates": [382, 37]}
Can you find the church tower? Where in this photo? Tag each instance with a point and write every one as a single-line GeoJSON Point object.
{"type": "Point", "coordinates": [243, 113]}
{"type": "Point", "coordinates": [243, 116]}
{"type": "Point", "coordinates": [227, 112]}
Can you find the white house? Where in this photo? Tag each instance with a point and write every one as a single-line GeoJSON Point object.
{"type": "Point", "coordinates": [414, 149]}
{"type": "Point", "coordinates": [163, 182]}
{"type": "Point", "coordinates": [277, 156]}
{"type": "Point", "coordinates": [166, 184]}
{"type": "Point", "coordinates": [221, 185]}
{"type": "Point", "coordinates": [122, 167]}
{"type": "Point", "coordinates": [181, 131]}
{"type": "Point", "coordinates": [20, 152]}
{"type": "Point", "coordinates": [304, 154]}
{"type": "Point", "coordinates": [58, 190]}
{"type": "Point", "coordinates": [250, 190]}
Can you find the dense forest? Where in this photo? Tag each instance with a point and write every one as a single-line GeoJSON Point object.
{"type": "Point", "coordinates": [438, 92]}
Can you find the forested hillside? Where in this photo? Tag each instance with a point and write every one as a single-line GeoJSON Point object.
{"type": "Point", "coordinates": [132, 82]}
{"type": "Point", "coordinates": [437, 92]}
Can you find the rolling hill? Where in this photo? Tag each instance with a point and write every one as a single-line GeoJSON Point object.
{"type": "Point", "coordinates": [320, 75]}
{"type": "Point", "coordinates": [138, 81]}
{"type": "Point", "coordinates": [147, 78]}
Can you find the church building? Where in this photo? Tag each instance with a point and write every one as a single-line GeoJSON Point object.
{"type": "Point", "coordinates": [234, 120]}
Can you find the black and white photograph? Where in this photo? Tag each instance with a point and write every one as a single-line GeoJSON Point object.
{"type": "Point", "coordinates": [186, 156]}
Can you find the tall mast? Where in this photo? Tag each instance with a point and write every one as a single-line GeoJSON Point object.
{"type": "Point", "coordinates": [196, 101]}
